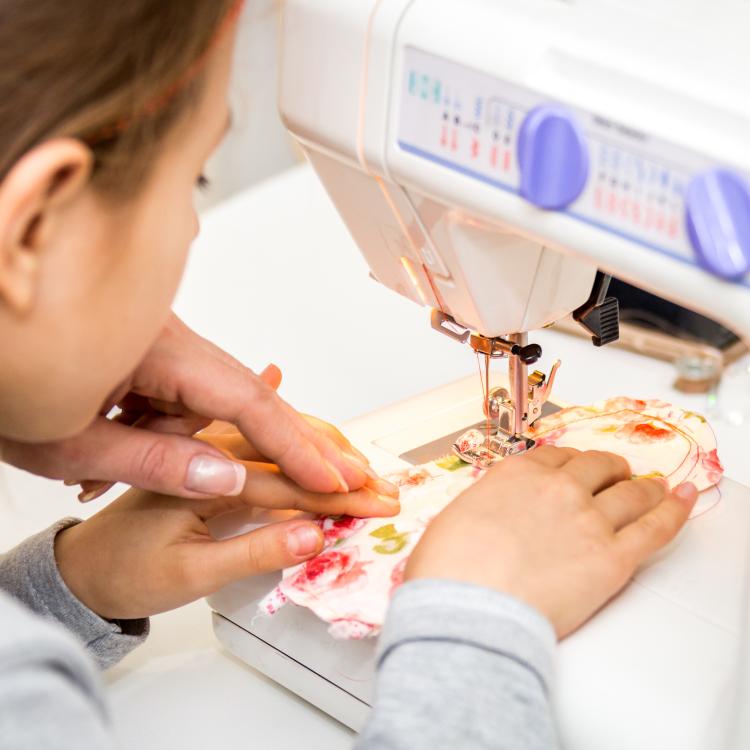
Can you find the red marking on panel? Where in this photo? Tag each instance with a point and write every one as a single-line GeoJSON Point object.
{"type": "Point", "coordinates": [454, 141]}
{"type": "Point", "coordinates": [474, 148]}
{"type": "Point", "coordinates": [506, 160]}
{"type": "Point", "coordinates": [444, 136]}
{"type": "Point", "coordinates": [493, 156]}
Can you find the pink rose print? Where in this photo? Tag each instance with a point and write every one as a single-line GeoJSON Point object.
{"type": "Point", "coordinates": [623, 402]}
{"type": "Point", "coordinates": [550, 438]}
{"type": "Point", "coordinates": [710, 462]}
{"type": "Point", "coordinates": [471, 440]}
{"type": "Point", "coordinates": [397, 575]}
{"type": "Point", "coordinates": [352, 630]}
{"type": "Point", "coordinates": [409, 477]}
{"type": "Point", "coordinates": [273, 602]}
{"type": "Point", "coordinates": [334, 569]}
{"type": "Point", "coordinates": [644, 432]}
{"type": "Point", "coordinates": [337, 528]}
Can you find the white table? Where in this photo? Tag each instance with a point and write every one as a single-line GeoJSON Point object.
{"type": "Point", "coordinates": [275, 277]}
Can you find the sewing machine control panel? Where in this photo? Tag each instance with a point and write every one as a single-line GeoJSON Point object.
{"type": "Point", "coordinates": [597, 171]}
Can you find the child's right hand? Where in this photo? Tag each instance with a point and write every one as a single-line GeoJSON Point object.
{"type": "Point", "coordinates": [559, 529]}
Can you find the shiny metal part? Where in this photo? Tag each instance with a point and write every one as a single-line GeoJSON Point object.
{"type": "Point", "coordinates": [510, 411]}
{"type": "Point", "coordinates": [497, 347]}
{"type": "Point", "coordinates": [488, 453]}
{"type": "Point", "coordinates": [446, 324]}
{"type": "Point", "coordinates": [540, 389]}
{"type": "Point", "coordinates": [494, 347]}
{"type": "Point", "coordinates": [509, 446]}
{"type": "Point", "coordinates": [519, 391]}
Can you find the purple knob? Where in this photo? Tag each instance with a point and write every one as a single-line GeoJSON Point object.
{"type": "Point", "coordinates": [718, 222]}
{"type": "Point", "coordinates": [552, 156]}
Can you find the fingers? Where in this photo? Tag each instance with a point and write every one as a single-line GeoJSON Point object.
{"type": "Point", "coordinates": [237, 444]}
{"type": "Point", "coordinates": [657, 527]}
{"type": "Point", "coordinates": [337, 436]}
{"type": "Point", "coordinates": [551, 456]}
{"type": "Point", "coordinates": [626, 501]}
{"type": "Point", "coordinates": [271, 375]}
{"type": "Point", "coordinates": [171, 419]}
{"type": "Point", "coordinates": [597, 470]}
{"type": "Point", "coordinates": [269, 548]}
{"type": "Point", "coordinates": [209, 385]}
{"type": "Point", "coordinates": [112, 452]}
{"type": "Point", "coordinates": [267, 487]}
{"type": "Point", "coordinates": [91, 489]}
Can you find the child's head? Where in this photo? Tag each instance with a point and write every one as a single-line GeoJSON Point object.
{"type": "Point", "coordinates": [108, 111]}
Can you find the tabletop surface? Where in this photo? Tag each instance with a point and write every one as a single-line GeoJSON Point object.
{"type": "Point", "coordinates": [275, 277]}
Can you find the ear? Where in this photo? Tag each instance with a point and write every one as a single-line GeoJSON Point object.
{"type": "Point", "coordinates": [37, 187]}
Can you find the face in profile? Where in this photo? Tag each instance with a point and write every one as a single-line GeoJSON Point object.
{"type": "Point", "coordinates": [105, 270]}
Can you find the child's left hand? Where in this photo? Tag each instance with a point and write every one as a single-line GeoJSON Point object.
{"type": "Point", "coordinates": [147, 553]}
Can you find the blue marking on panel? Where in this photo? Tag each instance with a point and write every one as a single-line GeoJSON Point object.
{"type": "Point", "coordinates": [416, 151]}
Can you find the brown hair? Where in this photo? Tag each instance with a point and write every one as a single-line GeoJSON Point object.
{"type": "Point", "coordinates": [117, 74]}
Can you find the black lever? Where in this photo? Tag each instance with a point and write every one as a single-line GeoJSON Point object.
{"type": "Point", "coordinates": [600, 315]}
{"type": "Point", "coordinates": [529, 354]}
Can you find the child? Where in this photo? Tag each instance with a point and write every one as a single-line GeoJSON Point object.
{"type": "Point", "coordinates": [108, 112]}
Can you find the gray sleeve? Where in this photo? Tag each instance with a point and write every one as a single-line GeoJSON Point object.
{"type": "Point", "coordinates": [50, 696]}
{"type": "Point", "coordinates": [29, 573]}
{"type": "Point", "coordinates": [462, 666]}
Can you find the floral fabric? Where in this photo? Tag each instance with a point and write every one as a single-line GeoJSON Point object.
{"type": "Point", "coordinates": [350, 583]}
{"type": "Point", "coordinates": [656, 438]}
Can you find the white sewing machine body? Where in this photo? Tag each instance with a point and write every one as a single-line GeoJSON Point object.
{"type": "Point", "coordinates": [654, 669]}
{"type": "Point", "coordinates": [427, 122]}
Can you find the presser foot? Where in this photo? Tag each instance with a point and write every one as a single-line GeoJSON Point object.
{"type": "Point", "coordinates": [476, 448]}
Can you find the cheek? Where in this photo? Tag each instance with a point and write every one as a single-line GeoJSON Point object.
{"type": "Point", "coordinates": [167, 239]}
{"type": "Point", "coordinates": [147, 280]}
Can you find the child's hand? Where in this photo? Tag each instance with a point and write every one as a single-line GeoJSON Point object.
{"type": "Point", "coordinates": [147, 553]}
{"type": "Point", "coordinates": [559, 529]}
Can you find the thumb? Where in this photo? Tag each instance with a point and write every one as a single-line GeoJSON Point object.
{"type": "Point", "coordinates": [264, 550]}
{"type": "Point", "coordinates": [165, 463]}
{"type": "Point", "coordinates": [271, 375]}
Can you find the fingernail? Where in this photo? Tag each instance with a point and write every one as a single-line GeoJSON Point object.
{"type": "Point", "coordinates": [361, 456]}
{"type": "Point", "coordinates": [303, 541]}
{"type": "Point", "coordinates": [215, 476]}
{"type": "Point", "coordinates": [92, 490]}
{"type": "Point", "coordinates": [87, 497]}
{"type": "Point", "coordinates": [383, 486]}
{"type": "Point", "coordinates": [71, 482]}
{"type": "Point", "coordinates": [394, 502]}
{"type": "Point", "coordinates": [357, 462]}
{"type": "Point", "coordinates": [687, 491]}
{"type": "Point", "coordinates": [91, 485]}
{"type": "Point", "coordinates": [343, 486]}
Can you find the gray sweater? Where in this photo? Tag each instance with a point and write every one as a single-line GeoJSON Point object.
{"type": "Point", "coordinates": [460, 666]}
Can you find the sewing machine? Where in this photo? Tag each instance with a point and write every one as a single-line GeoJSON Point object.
{"type": "Point", "coordinates": [494, 161]}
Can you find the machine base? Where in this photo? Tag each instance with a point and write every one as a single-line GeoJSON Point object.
{"type": "Point", "coordinates": [300, 679]}
{"type": "Point", "coordinates": [653, 670]}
